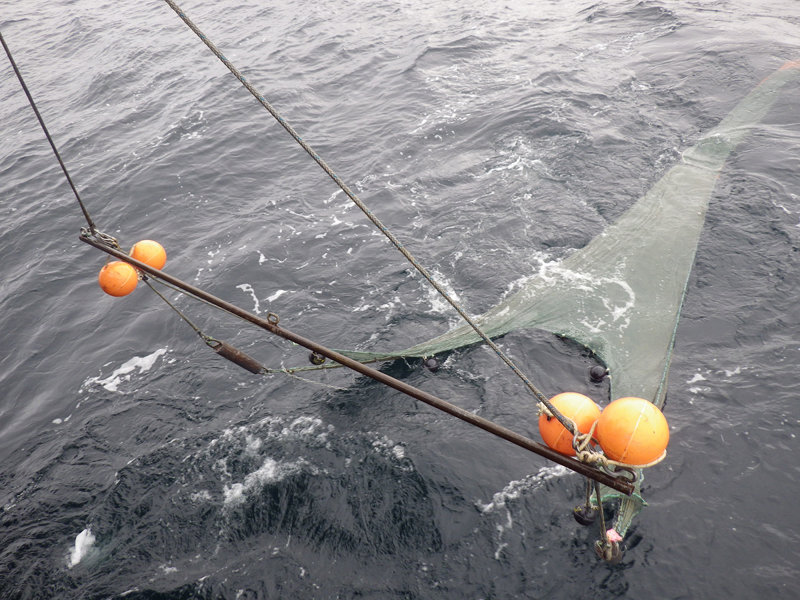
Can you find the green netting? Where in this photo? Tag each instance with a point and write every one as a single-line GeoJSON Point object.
{"type": "Point", "coordinates": [621, 294]}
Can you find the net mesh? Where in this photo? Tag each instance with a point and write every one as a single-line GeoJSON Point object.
{"type": "Point", "coordinates": [621, 294]}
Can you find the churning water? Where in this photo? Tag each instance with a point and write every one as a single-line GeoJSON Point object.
{"type": "Point", "coordinates": [490, 137]}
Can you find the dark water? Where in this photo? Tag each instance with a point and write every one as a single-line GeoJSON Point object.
{"type": "Point", "coordinates": [489, 138]}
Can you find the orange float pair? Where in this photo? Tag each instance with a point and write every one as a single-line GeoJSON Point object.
{"type": "Point", "coordinates": [630, 430]}
{"type": "Point", "coordinates": [118, 278]}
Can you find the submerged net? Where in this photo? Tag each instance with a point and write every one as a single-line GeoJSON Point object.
{"type": "Point", "coordinates": [621, 295]}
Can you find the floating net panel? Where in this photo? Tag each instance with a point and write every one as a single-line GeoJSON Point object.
{"type": "Point", "coordinates": [621, 294]}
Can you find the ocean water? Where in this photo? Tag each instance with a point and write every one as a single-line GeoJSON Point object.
{"type": "Point", "coordinates": [135, 463]}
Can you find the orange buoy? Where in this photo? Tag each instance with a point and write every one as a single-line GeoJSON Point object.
{"type": "Point", "coordinates": [118, 278]}
{"type": "Point", "coordinates": [150, 253]}
{"type": "Point", "coordinates": [581, 409]}
{"type": "Point", "coordinates": [632, 431]}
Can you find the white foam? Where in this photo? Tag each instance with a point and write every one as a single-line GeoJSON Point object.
{"type": "Point", "coordinates": [276, 295]}
{"type": "Point", "coordinates": [123, 372]}
{"type": "Point", "coordinates": [201, 496]}
{"type": "Point", "coordinates": [512, 491]}
{"type": "Point", "coordinates": [515, 489]}
{"type": "Point", "coordinates": [435, 299]}
{"type": "Point", "coordinates": [619, 307]}
{"type": "Point", "coordinates": [270, 471]}
{"type": "Point", "coordinates": [83, 543]}
{"type": "Point", "coordinates": [391, 450]}
{"type": "Point", "coordinates": [247, 288]}
{"type": "Point", "coordinates": [695, 378]}
{"type": "Point", "coordinates": [332, 197]}
{"type": "Point", "coordinates": [253, 445]}
{"type": "Point", "coordinates": [503, 312]}
{"type": "Point", "coordinates": [303, 427]}
{"type": "Point", "coordinates": [519, 156]}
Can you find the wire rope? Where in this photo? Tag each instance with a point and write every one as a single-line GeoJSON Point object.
{"type": "Point", "coordinates": [87, 216]}
{"type": "Point", "coordinates": [371, 216]}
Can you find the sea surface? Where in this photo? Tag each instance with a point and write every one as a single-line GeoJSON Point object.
{"type": "Point", "coordinates": [489, 137]}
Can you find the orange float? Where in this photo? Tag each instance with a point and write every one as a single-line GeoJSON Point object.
{"type": "Point", "coordinates": [581, 409]}
{"type": "Point", "coordinates": [150, 253]}
{"type": "Point", "coordinates": [118, 278]}
{"type": "Point", "coordinates": [632, 431]}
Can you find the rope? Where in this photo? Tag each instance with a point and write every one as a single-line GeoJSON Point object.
{"type": "Point", "coordinates": [583, 443]}
{"type": "Point", "coordinates": [87, 216]}
{"type": "Point", "coordinates": [357, 201]}
{"type": "Point", "coordinates": [180, 291]}
{"type": "Point", "coordinates": [588, 499]}
{"type": "Point", "coordinates": [270, 324]}
{"type": "Point", "coordinates": [111, 246]}
{"type": "Point", "coordinates": [213, 343]}
{"type": "Point", "coordinates": [111, 241]}
{"type": "Point", "coordinates": [290, 373]}
{"type": "Point", "coordinates": [606, 547]}
{"type": "Point", "coordinates": [206, 338]}
{"type": "Point", "coordinates": [603, 534]}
